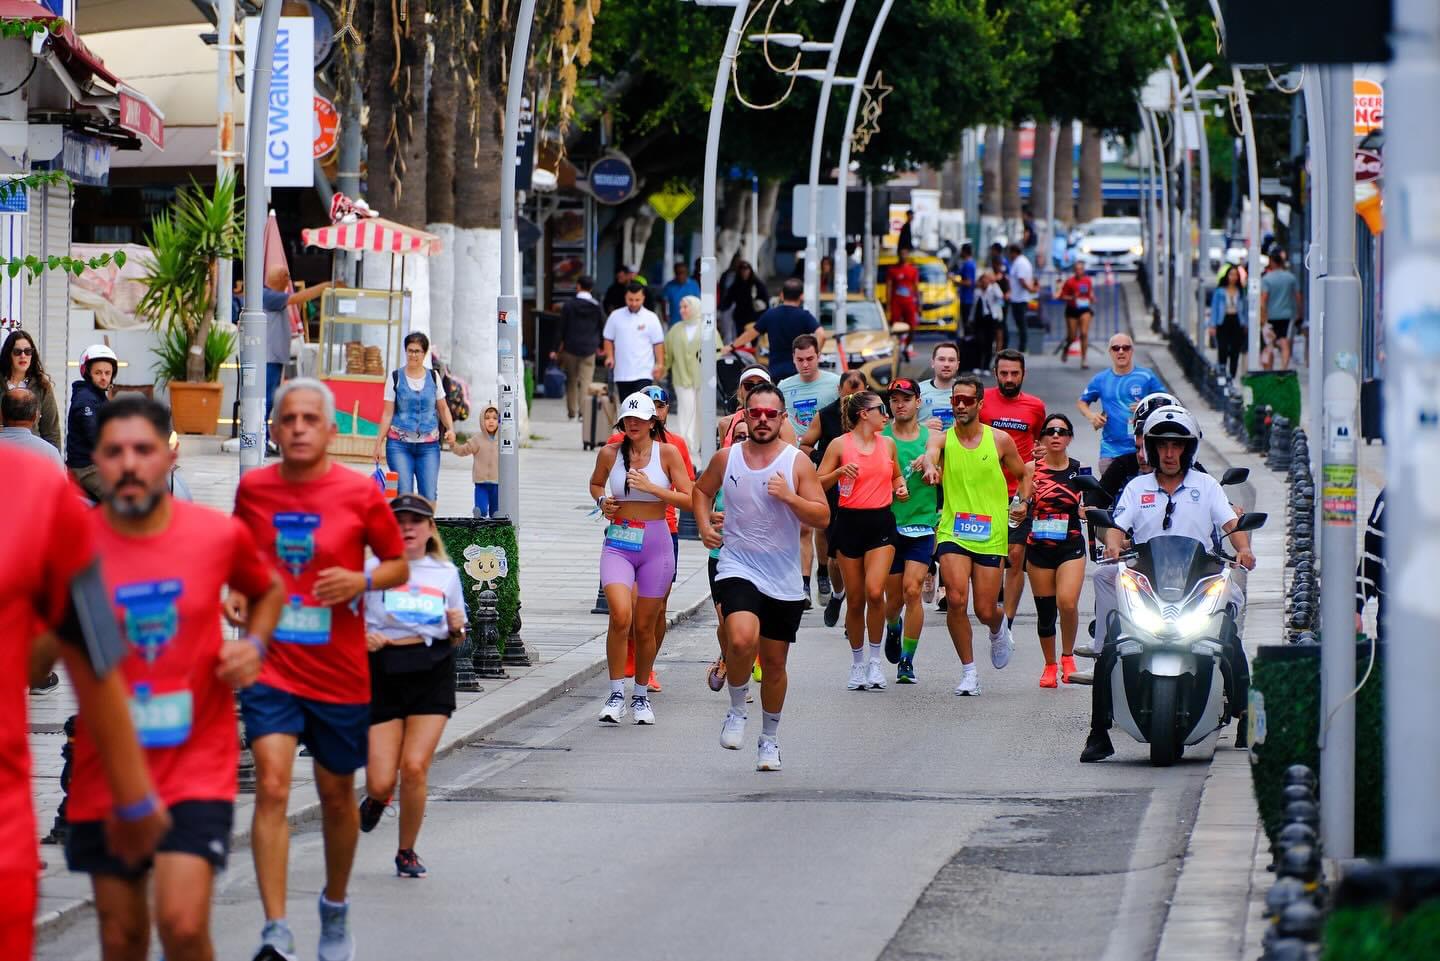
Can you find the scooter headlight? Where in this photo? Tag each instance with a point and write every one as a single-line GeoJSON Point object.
{"type": "Point", "coordinates": [1141, 610]}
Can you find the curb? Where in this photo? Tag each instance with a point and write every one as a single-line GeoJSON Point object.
{"type": "Point", "coordinates": [52, 922]}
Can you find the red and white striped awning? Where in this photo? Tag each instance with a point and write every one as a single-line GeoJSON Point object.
{"type": "Point", "coordinates": [373, 234]}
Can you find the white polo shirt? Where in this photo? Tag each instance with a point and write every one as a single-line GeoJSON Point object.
{"type": "Point", "coordinates": [1021, 273]}
{"type": "Point", "coordinates": [635, 334]}
{"type": "Point", "coordinates": [1200, 506]}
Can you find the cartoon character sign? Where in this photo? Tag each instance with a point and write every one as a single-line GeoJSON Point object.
{"type": "Point", "coordinates": [487, 565]}
{"type": "Point", "coordinates": [295, 540]}
{"type": "Point", "coordinates": [151, 618]}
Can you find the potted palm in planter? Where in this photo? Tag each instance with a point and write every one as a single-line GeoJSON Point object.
{"type": "Point", "coordinates": [180, 297]}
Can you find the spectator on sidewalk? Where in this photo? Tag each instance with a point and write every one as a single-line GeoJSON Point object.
{"type": "Point", "coordinates": [1370, 572]}
{"type": "Point", "coordinates": [685, 367]}
{"type": "Point", "coordinates": [782, 324]}
{"type": "Point", "coordinates": [614, 297]}
{"type": "Point", "coordinates": [677, 289]}
{"type": "Point", "coordinates": [484, 446]}
{"type": "Point", "coordinates": [277, 298]}
{"type": "Point", "coordinates": [581, 322]}
{"type": "Point", "coordinates": [414, 421]}
{"type": "Point", "coordinates": [1281, 302]}
{"type": "Point", "coordinates": [634, 344]}
{"type": "Point", "coordinates": [20, 409]}
{"type": "Point", "coordinates": [746, 297]}
{"type": "Point", "coordinates": [87, 395]}
{"type": "Point", "coordinates": [1023, 286]}
{"type": "Point", "coordinates": [1228, 325]}
{"type": "Point", "coordinates": [20, 365]}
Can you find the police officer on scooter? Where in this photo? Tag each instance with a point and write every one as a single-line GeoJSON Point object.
{"type": "Point", "coordinates": [1176, 500]}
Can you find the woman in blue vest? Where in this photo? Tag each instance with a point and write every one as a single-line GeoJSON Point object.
{"type": "Point", "coordinates": [415, 414]}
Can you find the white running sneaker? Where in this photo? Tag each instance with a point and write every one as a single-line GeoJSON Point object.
{"type": "Point", "coordinates": [767, 754]}
{"type": "Point", "coordinates": [732, 732]}
{"type": "Point", "coordinates": [875, 678]}
{"type": "Point", "coordinates": [640, 707]}
{"type": "Point", "coordinates": [858, 681]}
{"type": "Point", "coordinates": [614, 708]}
{"type": "Point", "coordinates": [969, 685]}
{"type": "Point", "coordinates": [1001, 644]}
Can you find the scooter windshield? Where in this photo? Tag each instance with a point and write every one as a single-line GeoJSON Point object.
{"type": "Point", "coordinates": [1173, 564]}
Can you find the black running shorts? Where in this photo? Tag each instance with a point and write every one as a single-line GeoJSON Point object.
{"type": "Point", "coordinates": [779, 620]}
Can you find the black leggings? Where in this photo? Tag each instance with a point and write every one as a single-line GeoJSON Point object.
{"type": "Point", "coordinates": [1231, 343]}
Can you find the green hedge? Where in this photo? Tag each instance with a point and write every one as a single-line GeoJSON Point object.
{"type": "Point", "coordinates": [1277, 389]}
{"type": "Point", "coordinates": [1288, 675]}
{"type": "Point", "coordinates": [1385, 913]}
{"type": "Point", "coordinates": [492, 548]}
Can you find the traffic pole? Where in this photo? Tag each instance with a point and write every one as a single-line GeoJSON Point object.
{"type": "Point", "coordinates": [1341, 401]}
{"type": "Point", "coordinates": [1412, 431]}
{"type": "Point", "coordinates": [817, 142]}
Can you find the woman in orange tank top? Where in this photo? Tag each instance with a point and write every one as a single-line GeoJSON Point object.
{"type": "Point", "coordinates": [864, 465]}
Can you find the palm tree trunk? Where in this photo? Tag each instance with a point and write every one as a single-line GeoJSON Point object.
{"type": "Point", "coordinates": [1040, 175]}
{"type": "Point", "coordinates": [1092, 203]}
{"type": "Point", "coordinates": [990, 168]}
{"type": "Point", "coordinates": [1010, 181]}
{"type": "Point", "coordinates": [477, 239]}
{"type": "Point", "coordinates": [440, 121]}
{"type": "Point", "coordinates": [1065, 173]}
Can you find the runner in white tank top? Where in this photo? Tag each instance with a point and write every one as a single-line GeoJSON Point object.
{"type": "Point", "coordinates": [769, 494]}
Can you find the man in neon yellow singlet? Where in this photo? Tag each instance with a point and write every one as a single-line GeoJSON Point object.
{"type": "Point", "coordinates": [970, 462]}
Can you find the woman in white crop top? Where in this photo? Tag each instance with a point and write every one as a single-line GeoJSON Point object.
{"type": "Point", "coordinates": [632, 483]}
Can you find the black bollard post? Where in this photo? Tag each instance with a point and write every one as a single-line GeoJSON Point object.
{"type": "Point", "coordinates": [515, 653]}
{"type": "Point", "coordinates": [487, 646]}
{"type": "Point", "coordinates": [465, 678]}
{"type": "Point", "coordinates": [60, 829]}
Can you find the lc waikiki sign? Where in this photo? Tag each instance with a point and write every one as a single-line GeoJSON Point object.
{"type": "Point", "coordinates": [290, 113]}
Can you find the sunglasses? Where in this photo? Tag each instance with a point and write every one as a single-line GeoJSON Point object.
{"type": "Point", "coordinates": [964, 401]}
{"type": "Point", "coordinates": [23, 351]}
{"type": "Point", "coordinates": [764, 413]}
{"type": "Point", "coordinates": [879, 407]}
{"type": "Point", "coordinates": [1057, 432]}
{"type": "Point", "coordinates": [1121, 349]}
{"type": "Point", "coordinates": [1169, 509]}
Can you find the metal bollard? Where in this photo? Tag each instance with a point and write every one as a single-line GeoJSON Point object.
{"type": "Point", "coordinates": [487, 646]}
{"type": "Point", "coordinates": [60, 828]}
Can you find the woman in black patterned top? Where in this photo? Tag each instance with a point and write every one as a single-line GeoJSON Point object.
{"type": "Point", "coordinates": [1055, 548]}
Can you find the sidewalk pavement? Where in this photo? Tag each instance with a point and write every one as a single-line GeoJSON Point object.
{"type": "Point", "coordinates": [559, 551]}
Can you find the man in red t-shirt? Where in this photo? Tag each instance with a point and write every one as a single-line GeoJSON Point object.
{"type": "Point", "coordinates": [164, 563]}
{"type": "Point", "coordinates": [43, 589]}
{"type": "Point", "coordinates": [313, 518]}
{"type": "Point", "coordinates": [1078, 292]}
{"type": "Point", "coordinates": [1020, 415]}
{"type": "Point", "coordinates": [902, 290]}
{"type": "Point", "coordinates": [662, 410]}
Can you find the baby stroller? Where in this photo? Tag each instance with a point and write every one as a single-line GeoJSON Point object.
{"type": "Point", "coordinates": [728, 369]}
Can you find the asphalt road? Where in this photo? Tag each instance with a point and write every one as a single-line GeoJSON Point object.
{"type": "Point", "coordinates": [907, 824]}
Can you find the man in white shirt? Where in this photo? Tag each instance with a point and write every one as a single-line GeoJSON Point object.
{"type": "Point", "coordinates": [1022, 286]}
{"type": "Point", "coordinates": [20, 409]}
{"type": "Point", "coordinates": [634, 344]}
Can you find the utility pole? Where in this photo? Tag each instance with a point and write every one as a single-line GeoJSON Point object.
{"type": "Point", "coordinates": [224, 137]}
{"type": "Point", "coordinates": [1412, 429]}
{"type": "Point", "coordinates": [253, 430]}
{"type": "Point", "coordinates": [817, 142]}
{"type": "Point", "coordinates": [1341, 401]}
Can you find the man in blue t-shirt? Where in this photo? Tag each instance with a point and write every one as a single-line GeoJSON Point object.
{"type": "Point", "coordinates": [1117, 389]}
{"type": "Point", "coordinates": [782, 324]}
{"type": "Point", "coordinates": [675, 290]}
{"type": "Point", "coordinates": [965, 279]}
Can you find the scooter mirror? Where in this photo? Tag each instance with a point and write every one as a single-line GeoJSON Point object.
{"type": "Point", "coordinates": [1098, 517]}
{"type": "Point", "coordinates": [1087, 483]}
{"type": "Point", "coordinates": [1235, 475]}
{"type": "Point", "coordinates": [1249, 522]}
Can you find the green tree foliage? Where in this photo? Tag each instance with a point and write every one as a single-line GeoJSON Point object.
{"type": "Point", "coordinates": [1094, 74]}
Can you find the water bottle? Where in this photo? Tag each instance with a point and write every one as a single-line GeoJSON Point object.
{"type": "Point", "coordinates": [1014, 503]}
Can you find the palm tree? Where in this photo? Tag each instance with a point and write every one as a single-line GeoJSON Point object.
{"type": "Point", "coordinates": [1092, 203]}
{"type": "Point", "coordinates": [1065, 172]}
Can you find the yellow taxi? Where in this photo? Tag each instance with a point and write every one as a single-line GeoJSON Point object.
{"type": "Point", "coordinates": [869, 344]}
{"type": "Point", "coordinates": [939, 300]}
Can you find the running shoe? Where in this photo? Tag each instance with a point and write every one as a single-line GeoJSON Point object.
{"type": "Point", "coordinates": [858, 681]}
{"type": "Point", "coordinates": [1047, 676]}
{"type": "Point", "coordinates": [732, 732]}
{"type": "Point", "coordinates": [832, 609]}
{"type": "Point", "coordinates": [809, 604]}
{"type": "Point", "coordinates": [927, 590]}
{"type": "Point", "coordinates": [905, 673]}
{"type": "Point", "coordinates": [767, 754]}
{"type": "Point", "coordinates": [1000, 647]}
{"type": "Point", "coordinates": [715, 677]}
{"type": "Point", "coordinates": [48, 686]}
{"type": "Point", "coordinates": [822, 587]}
{"type": "Point", "coordinates": [1081, 677]}
{"type": "Point", "coordinates": [371, 811]}
{"type": "Point", "coordinates": [875, 677]}
{"type": "Point", "coordinates": [892, 643]}
{"type": "Point", "coordinates": [408, 864]}
{"type": "Point", "coordinates": [614, 708]}
{"type": "Point", "coordinates": [1097, 747]}
{"type": "Point", "coordinates": [640, 707]}
{"type": "Point", "coordinates": [653, 684]}
{"type": "Point", "coordinates": [969, 685]}
{"type": "Point", "coordinates": [276, 943]}
{"type": "Point", "coordinates": [336, 944]}
{"type": "Point", "coordinates": [1067, 667]}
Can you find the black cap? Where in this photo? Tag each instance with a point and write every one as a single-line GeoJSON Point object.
{"type": "Point", "coordinates": [905, 386]}
{"type": "Point", "coordinates": [411, 504]}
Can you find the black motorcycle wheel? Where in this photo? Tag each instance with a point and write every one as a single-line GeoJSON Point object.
{"type": "Point", "coordinates": [1164, 704]}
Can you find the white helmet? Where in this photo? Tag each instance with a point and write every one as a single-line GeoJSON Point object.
{"type": "Point", "coordinates": [97, 352]}
{"type": "Point", "coordinates": [1171, 421]}
{"type": "Point", "coordinates": [1146, 405]}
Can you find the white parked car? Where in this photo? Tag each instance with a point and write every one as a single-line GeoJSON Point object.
{"type": "Point", "coordinates": [1114, 242]}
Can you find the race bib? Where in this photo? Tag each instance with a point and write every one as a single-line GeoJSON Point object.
{"type": "Point", "coordinates": [1082, 303]}
{"type": "Point", "coordinates": [804, 411]}
{"type": "Point", "coordinates": [1050, 527]}
{"type": "Point", "coordinates": [915, 530]}
{"type": "Point", "coordinates": [303, 624]}
{"type": "Point", "coordinates": [972, 527]}
{"type": "Point", "coordinates": [947, 417]}
{"type": "Point", "coordinates": [628, 536]}
{"type": "Point", "coordinates": [416, 605]}
{"type": "Point", "coordinates": [161, 720]}
{"type": "Point", "coordinates": [903, 292]}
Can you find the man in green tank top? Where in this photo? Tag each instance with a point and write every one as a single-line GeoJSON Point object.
{"type": "Point", "coordinates": [915, 525]}
{"type": "Point", "coordinates": [970, 462]}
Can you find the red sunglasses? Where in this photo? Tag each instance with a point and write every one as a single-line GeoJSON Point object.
{"type": "Point", "coordinates": [763, 413]}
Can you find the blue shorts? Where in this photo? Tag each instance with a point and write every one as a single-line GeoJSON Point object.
{"type": "Point", "coordinates": [338, 735]}
{"type": "Point", "coordinates": [921, 550]}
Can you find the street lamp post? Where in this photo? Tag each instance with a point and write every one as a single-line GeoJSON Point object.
{"type": "Point", "coordinates": [252, 318]}
{"type": "Point", "coordinates": [511, 378]}
{"type": "Point", "coordinates": [817, 141]}
{"type": "Point", "coordinates": [707, 222]}
{"type": "Point", "coordinates": [224, 136]}
{"type": "Point", "coordinates": [1200, 264]}
{"type": "Point", "coordinates": [842, 281]}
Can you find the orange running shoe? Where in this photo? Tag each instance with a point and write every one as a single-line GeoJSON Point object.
{"type": "Point", "coordinates": [1047, 679]}
{"type": "Point", "coordinates": [1067, 667]}
{"type": "Point", "coordinates": [630, 658]}
{"type": "Point", "coordinates": [653, 683]}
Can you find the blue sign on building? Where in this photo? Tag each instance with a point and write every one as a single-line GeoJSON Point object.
{"type": "Point", "coordinates": [612, 180]}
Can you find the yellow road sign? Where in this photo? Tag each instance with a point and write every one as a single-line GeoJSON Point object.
{"type": "Point", "coordinates": [671, 202]}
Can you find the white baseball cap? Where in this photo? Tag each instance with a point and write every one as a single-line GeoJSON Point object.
{"type": "Point", "coordinates": [638, 405]}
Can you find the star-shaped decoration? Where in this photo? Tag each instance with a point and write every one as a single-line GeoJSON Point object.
{"type": "Point", "coordinates": [872, 104]}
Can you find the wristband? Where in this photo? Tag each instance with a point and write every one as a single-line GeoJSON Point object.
{"type": "Point", "coordinates": [256, 643]}
{"type": "Point", "coordinates": [137, 811]}
{"type": "Point", "coordinates": [369, 582]}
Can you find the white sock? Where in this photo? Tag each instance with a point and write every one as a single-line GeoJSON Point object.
{"type": "Point", "coordinates": [969, 668]}
{"type": "Point", "coordinates": [737, 696]}
{"type": "Point", "coordinates": [618, 687]}
{"type": "Point", "coordinates": [857, 655]}
{"type": "Point", "coordinates": [875, 652]}
{"type": "Point", "coordinates": [770, 725]}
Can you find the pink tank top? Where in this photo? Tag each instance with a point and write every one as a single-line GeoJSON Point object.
{"type": "Point", "coordinates": [872, 487]}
